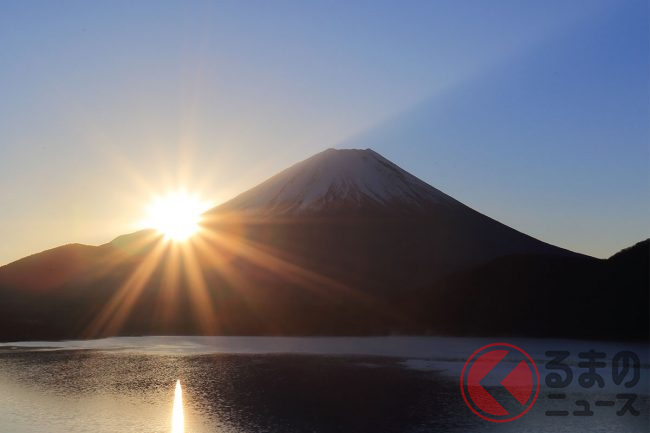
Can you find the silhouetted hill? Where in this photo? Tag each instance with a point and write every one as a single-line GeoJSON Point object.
{"type": "Point", "coordinates": [527, 295]}
{"type": "Point", "coordinates": [538, 295]}
{"type": "Point", "coordinates": [343, 243]}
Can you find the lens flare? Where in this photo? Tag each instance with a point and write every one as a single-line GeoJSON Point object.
{"type": "Point", "coordinates": [176, 215]}
{"type": "Point", "coordinates": [178, 420]}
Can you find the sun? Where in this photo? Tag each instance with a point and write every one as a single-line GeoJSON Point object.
{"type": "Point", "coordinates": [176, 215]}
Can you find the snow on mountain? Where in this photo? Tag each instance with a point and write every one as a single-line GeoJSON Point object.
{"type": "Point", "coordinates": [337, 178]}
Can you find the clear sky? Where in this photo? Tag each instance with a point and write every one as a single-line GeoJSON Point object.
{"type": "Point", "coordinates": [535, 113]}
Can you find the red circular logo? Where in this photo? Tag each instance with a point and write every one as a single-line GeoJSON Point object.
{"type": "Point", "coordinates": [509, 373]}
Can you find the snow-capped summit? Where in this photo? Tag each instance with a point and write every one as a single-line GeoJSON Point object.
{"type": "Point", "coordinates": [357, 217]}
{"type": "Point", "coordinates": [338, 179]}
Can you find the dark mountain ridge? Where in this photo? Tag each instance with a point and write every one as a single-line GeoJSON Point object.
{"type": "Point", "coordinates": [542, 296]}
{"type": "Point", "coordinates": [343, 243]}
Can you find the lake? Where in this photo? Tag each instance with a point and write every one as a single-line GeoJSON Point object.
{"type": "Point", "coordinates": [278, 384]}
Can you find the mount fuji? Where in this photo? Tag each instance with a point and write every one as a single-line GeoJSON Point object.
{"type": "Point", "coordinates": [354, 215]}
{"type": "Point", "coordinates": [345, 180]}
{"type": "Point", "coordinates": [344, 242]}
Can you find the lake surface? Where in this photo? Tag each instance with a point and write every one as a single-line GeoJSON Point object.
{"type": "Point", "coordinates": [266, 384]}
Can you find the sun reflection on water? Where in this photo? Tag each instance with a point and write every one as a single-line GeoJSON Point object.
{"type": "Point", "coordinates": [178, 422]}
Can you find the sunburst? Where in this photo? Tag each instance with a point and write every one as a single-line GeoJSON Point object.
{"type": "Point", "coordinates": [176, 215]}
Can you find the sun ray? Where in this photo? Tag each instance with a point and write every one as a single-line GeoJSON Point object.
{"type": "Point", "coordinates": [166, 301]}
{"type": "Point", "coordinates": [111, 318]}
{"type": "Point", "coordinates": [226, 253]}
{"type": "Point", "coordinates": [199, 293]}
{"type": "Point", "coordinates": [230, 231]}
{"type": "Point", "coordinates": [272, 260]}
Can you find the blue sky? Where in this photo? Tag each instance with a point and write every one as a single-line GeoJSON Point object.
{"type": "Point", "coordinates": [534, 113]}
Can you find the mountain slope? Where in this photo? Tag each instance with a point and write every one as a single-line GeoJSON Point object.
{"type": "Point", "coordinates": [342, 243]}
{"type": "Point", "coordinates": [533, 295]}
{"type": "Point", "coordinates": [347, 180]}
{"type": "Point", "coordinates": [357, 217]}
